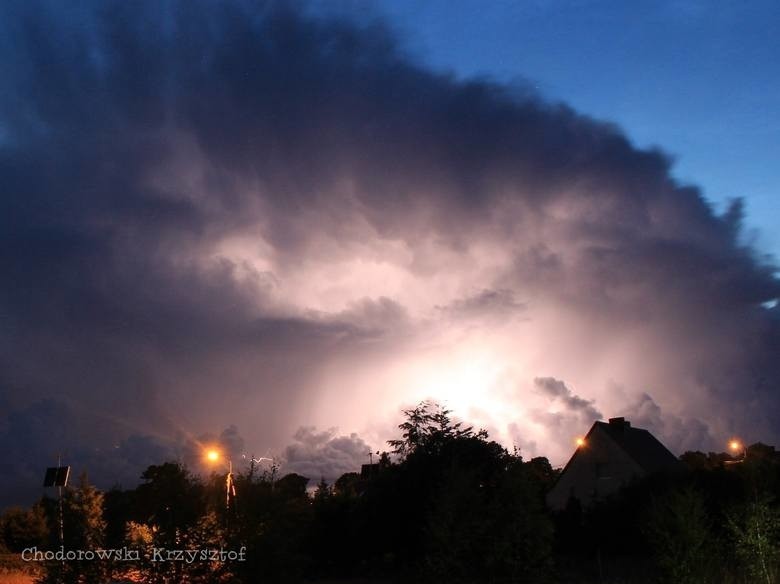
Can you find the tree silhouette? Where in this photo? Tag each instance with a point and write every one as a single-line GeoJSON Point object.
{"type": "Point", "coordinates": [756, 530]}
{"type": "Point", "coordinates": [23, 528]}
{"type": "Point", "coordinates": [84, 532]}
{"type": "Point", "coordinates": [428, 426]}
{"type": "Point", "coordinates": [451, 506]}
{"type": "Point", "coordinates": [680, 531]}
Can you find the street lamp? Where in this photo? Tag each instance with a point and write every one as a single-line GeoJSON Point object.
{"type": "Point", "coordinates": [213, 456]}
{"type": "Point", "coordinates": [737, 447]}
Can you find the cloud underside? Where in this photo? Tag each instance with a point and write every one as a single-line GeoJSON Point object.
{"type": "Point", "coordinates": [221, 214]}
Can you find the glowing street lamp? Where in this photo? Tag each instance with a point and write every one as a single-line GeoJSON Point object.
{"type": "Point", "coordinates": [736, 448]}
{"type": "Point", "coordinates": [212, 455]}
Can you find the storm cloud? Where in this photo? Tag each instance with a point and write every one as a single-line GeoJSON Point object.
{"type": "Point", "coordinates": [218, 213]}
{"type": "Point", "coordinates": [324, 455]}
{"type": "Point", "coordinates": [560, 393]}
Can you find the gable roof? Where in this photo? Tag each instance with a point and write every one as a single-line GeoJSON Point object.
{"type": "Point", "coordinates": [632, 451]}
{"type": "Point", "coordinates": [639, 444]}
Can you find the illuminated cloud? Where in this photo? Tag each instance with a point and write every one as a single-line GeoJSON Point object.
{"type": "Point", "coordinates": [235, 213]}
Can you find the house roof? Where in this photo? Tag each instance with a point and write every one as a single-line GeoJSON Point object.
{"type": "Point", "coordinates": [639, 444]}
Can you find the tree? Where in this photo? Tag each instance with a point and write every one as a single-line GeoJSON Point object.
{"type": "Point", "coordinates": [84, 530]}
{"type": "Point", "coordinates": [23, 528]}
{"type": "Point", "coordinates": [292, 485]}
{"type": "Point", "coordinates": [488, 522]}
{"type": "Point", "coordinates": [117, 507]}
{"type": "Point", "coordinates": [458, 507]}
{"type": "Point", "coordinates": [273, 522]}
{"type": "Point", "coordinates": [347, 485]}
{"type": "Point", "coordinates": [84, 516]}
{"type": "Point", "coordinates": [680, 531]}
{"type": "Point", "coordinates": [170, 499]}
{"type": "Point", "coordinates": [755, 528]}
{"type": "Point", "coordinates": [166, 510]}
{"type": "Point", "coordinates": [427, 427]}
{"type": "Point", "coordinates": [323, 491]}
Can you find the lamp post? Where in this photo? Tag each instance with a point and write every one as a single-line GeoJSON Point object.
{"type": "Point", "coordinates": [57, 476]}
{"type": "Point", "coordinates": [737, 448]}
{"type": "Point", "coordinates": [213, 456]}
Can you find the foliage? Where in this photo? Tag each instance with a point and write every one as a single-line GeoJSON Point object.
{"type": "Point", "coordinates": [84, 527]}
{"type": "Point", "coordinates": [756, 533]}
{"type": "Point", "coordinates": [23, 528]}
{"type": "Point", "coordinates": [489, 527]}
{"type": "Point", "coordinates": [168, 512]}
{"type": "Point", "coordinates": [463, 508]}
{"type": "Point", "coordinates": [171, 500]}
{"type": "Point", "coordinates": [680, 532]}
{"type": "Point", "coordinates": [427, 427]}
{"type": "Point", "coordinates": [347, 485]}
{"type": "Point", "coordinates": [274, 521]}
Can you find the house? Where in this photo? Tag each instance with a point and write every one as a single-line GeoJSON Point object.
{"type": "Point", "coordinates": [610, 455]}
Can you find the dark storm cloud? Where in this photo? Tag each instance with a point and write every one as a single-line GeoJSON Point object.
{"type": "Point", "coordinates": [560, 393]}
{"type": "Point", "coordinates": [206, 205]}
{"type": "Point", "coordinates": [49, 431]}
{"type": "Point", "coordinates": [325, 454]}
{"type": "Point", "coordinates": [684, 433]}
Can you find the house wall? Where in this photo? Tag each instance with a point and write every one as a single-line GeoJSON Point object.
{"type": "Point", "coordinates": [598, 468]}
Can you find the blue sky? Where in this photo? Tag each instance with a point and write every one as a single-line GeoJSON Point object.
{"type": "Point", "coordinates": [699, 79]}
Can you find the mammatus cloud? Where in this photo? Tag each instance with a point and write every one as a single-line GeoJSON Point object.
{"type": "Point", "coordinates": [240, 213]}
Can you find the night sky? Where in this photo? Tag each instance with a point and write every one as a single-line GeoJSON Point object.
{"type": "Point", "coordinates": [275, 225]}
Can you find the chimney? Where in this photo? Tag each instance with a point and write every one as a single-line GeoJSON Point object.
{"type": "Point", "coordinates": [619, 423]}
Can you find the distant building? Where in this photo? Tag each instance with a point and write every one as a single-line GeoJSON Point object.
{"type": "Point", "coordinates": [611, 455]}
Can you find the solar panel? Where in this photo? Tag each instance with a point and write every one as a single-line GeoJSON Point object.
{"type": "Point", "coordinates": [56, 476]}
